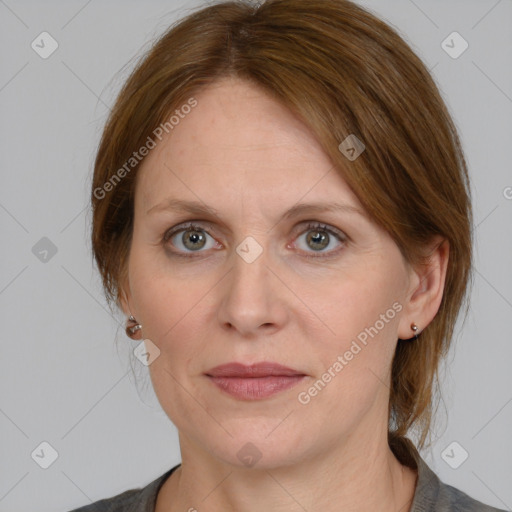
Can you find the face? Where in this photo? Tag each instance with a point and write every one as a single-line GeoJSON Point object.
{"type": "Point", "coordinates": [322, 292]}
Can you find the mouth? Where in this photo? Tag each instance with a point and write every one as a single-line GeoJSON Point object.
{"type": "Point", "coordinates": [254, 382]}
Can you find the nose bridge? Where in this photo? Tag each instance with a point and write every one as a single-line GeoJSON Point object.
{"type": "Point", "coordinates": [250, 298]}
{"type": "Point", "coordinates": [250, 274]}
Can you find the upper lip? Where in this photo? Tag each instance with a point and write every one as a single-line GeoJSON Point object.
{"type": "Point", "coordinates": [262, 369]}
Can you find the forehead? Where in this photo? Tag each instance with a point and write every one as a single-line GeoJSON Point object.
{"type": "Point", "coordinates": [239, 142]}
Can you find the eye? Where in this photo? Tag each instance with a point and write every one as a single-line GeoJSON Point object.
{"type": "Point", "coordinates": [190, 238]}
{"type": "Point", "coordinates": [318, 237]}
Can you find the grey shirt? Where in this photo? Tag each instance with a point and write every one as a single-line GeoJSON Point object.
{"type": "Point", "coordinates": [431, 495]}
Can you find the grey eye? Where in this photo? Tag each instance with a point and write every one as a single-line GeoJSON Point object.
{"type": "Point", "coordinates": [190, 239]}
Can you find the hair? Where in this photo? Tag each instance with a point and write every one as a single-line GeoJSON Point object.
{"type": "Point", "coordinates": [344, 72]}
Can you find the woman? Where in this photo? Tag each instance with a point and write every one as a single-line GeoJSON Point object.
{"type": "Point", "coordinates": [281, 208]}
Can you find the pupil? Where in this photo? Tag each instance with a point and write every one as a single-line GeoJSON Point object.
{"type": "Point", "coordinates": [317, 239]}
{"type": "Point", "coordinates": [194, 237]}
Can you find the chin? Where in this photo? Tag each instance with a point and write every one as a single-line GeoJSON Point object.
{"type": "Point", "coordinates": [257, 444]}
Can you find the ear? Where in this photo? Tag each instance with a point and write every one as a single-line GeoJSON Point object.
{"type": "Point", "coordinates": [426, 289]}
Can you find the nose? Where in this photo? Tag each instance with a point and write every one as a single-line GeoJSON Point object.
{"type": "Point", "coordinates": [253, 298]}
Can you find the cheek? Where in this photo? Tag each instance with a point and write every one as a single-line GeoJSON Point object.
{"type": "Point", "coordinates": [354, 365]}
{"type": "Point", "coordinates": [363, 314]}
{"type": "Point", "coordinates": [177, 313]}
{"type": "Point", "coordinates": [165, 299]}
{"type": "Point", "coordinates": [364, 306]}
{"type": "Point", "coordinates": [173, 319]}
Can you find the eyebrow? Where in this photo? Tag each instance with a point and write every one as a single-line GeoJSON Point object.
{"type": "Point", "coordinates": [199, 208]}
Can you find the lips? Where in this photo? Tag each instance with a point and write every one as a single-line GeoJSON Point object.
{"type": "Point", "coordinates": [264, 369]}
{"type": "Point", "coordinates": [254, 382]}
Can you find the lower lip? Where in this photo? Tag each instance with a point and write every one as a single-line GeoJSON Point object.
{"type": "Point", "coordinates": [255, 388]}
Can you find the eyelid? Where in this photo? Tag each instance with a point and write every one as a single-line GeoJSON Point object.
{"type": "Point", "coordinates": [323, 226]}
{"type": "Point", "coordinates": [304, 224]}
{"type": "Point", "coordinates": [191, 224]}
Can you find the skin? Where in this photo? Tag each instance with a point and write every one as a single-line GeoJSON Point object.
{"type": "Point", "coordinates": [251, 159]}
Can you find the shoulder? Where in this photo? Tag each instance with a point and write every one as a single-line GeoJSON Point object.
{"type": "Point", "coordinates": [121, 502]}
{"type": "Point", "coordinates": [450, 498]}
{"type": "Point", "coordinates": [142, 499]}
{"type": "Point", "coordinates": [431, 494]}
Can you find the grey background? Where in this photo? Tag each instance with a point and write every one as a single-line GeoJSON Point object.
{"type": "Point", "coordinates": [63, 381]}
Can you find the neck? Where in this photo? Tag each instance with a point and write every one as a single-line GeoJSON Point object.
{"type": "Point", "coordinates": [361, 476]}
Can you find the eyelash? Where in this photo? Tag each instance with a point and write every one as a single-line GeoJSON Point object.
{"type": "Point", "coordinates": [191, 226]}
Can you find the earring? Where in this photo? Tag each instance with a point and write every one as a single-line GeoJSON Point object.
{"type": "Point", "coordinates": [132, 326]}
{"type": "Point", "coordinates": [414, 327]}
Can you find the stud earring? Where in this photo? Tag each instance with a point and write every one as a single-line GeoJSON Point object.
{"type": "Point", "coordinates": [415, 328]}
{"type": "Point", "coordinates": [132, 326]}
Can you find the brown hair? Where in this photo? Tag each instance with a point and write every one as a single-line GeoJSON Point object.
{"type": "Point", "coordinates": [342, 71]}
